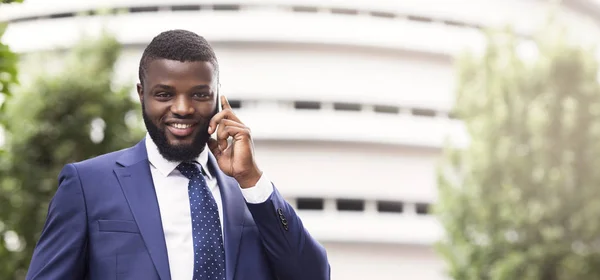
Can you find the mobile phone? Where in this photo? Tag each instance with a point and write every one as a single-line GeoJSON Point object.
{"type": "Point", "coordinates": [219, 105]}
{"type": "Point", "coordinates": [219, 109]}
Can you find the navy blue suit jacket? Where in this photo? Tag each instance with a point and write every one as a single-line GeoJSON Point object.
{"type": "Point", "coordinates": [104, 223]}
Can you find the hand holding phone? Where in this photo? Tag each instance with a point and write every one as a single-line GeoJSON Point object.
{"type": "Point", "coordinates": [235, 157]}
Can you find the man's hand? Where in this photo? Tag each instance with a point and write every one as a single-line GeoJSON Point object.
{"type": "Point", "coordinates": [235, 160]}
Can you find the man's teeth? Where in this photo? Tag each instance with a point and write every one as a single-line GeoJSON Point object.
{"type": "Point", "coordinates": [180, 125]}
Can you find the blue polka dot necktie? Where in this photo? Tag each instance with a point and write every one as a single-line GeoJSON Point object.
{"type": "Point", "coordinates": [209, 255]}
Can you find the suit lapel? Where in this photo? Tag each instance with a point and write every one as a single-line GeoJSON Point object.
{"type": "Point", "coordinates": [137, 185]}
{"type": "Point", "coordinates": [233, 210]}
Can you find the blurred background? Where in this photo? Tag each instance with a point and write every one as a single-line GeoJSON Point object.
{"type": "Point", "coordinates": [417, 139]}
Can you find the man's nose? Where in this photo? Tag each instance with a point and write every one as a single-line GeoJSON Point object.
{"type": "Point", "coordinates": [182, 106]}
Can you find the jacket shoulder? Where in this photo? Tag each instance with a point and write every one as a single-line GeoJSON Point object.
{"type": "Point", "coordinates": [102, 162]}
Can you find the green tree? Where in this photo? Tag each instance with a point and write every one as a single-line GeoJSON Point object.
{"type": "Point", "coordinates": [8, 66]}
{"type": "Point", "coordinates": [522, 201]}
{"type": "Point", "coordinates": [8, 61]}
{"type": "Point", "coordinates": [73, 114]}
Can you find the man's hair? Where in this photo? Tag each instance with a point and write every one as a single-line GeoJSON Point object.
{"type": "Point", "coordinates": [180, 45]}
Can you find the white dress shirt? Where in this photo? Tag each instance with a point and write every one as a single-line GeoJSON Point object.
{"type": "Point", "coordinates": [173, 200]}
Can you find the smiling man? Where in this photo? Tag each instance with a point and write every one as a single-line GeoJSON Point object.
{"type": "Point", "coordinates": [179, 204]}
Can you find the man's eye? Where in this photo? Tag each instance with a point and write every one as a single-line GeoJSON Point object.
{"type": "Point", "coordinates": [201, 94]}
{"type": "Point", "coordinates": [163, 95]}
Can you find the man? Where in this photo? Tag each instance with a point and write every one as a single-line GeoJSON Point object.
{"type": "Point", "coordinates": [170, 208]}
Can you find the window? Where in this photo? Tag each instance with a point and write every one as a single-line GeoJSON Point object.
{"type": "Point", "coordinates": [307, 105]}
{"type": "Point", "coordinates": [387, 109]}
{"type": "Point", "coordinates": [422, 208]}
{"type": "Point", "coordinates": [309, 204]}
{"type": "Point", "coordinates": [347, 106]}
{"type": "Point", "coordinates": [390, 206]}
{"type": "Point", "coordinates": [235, 104]}
{"type": "Point", "coordinates": [350, 204]}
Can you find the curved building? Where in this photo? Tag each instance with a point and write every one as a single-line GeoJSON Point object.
{"type": "Point", "coordinates": [348, 101]}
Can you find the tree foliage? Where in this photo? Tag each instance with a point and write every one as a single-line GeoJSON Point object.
{"type": "Point", "coordinates": [8, 62]}
{"type": "Point", "coordinates": [68, 115]}
{"type": "Point", "coordinates": [522, 201]}
{"type": "Point", "coordinates": [8, 66]}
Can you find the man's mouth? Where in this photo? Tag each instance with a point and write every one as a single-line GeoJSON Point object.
{"type": "Point", "coordinates": [181, 129]}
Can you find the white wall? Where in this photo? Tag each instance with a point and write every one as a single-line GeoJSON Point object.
{"type": "Point", "coordinates": [384, 262]}
{"type": "Point", "coordinates": [350, 170]}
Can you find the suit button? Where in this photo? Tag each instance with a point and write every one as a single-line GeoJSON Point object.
{"type": "Point", "coordinates": [284, 222]}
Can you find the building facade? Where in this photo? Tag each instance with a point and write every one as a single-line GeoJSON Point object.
{"type": "Point", "coordinates": [349, 101]}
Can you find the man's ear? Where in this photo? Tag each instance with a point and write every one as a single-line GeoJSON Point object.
{"type": "Point", "coordinates": [140, 91]}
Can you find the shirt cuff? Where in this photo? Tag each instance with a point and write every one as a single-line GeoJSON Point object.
{"type": "Point", "coordinates": [259, 193]}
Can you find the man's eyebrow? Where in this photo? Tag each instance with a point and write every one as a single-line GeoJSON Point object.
{"type": "Point", "coordinates": [161, 86]}
{"type": "Point", "coordinates": [200, 87]}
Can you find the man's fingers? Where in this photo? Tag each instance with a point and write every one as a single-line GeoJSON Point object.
{"type": "Point", "coordinates": [232, 131]}
{"type": "Point", "coordinates": [222, 120]}
{"type": "Point", "coordinates": [229, 128]}
{"type": "Point", "coordinates": [228, 122]}
{"type": "Point", "coordinates": [225, 133]}
{"type": "Point", "coordinates": [217, 118]}
{"type": "Point", "coordinates": [225, 103]}
{"type": "Point", "coordinates": [221, 136]}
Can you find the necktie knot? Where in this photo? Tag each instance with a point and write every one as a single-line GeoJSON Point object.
{"type": "Point", "coordinates": [188, 169]}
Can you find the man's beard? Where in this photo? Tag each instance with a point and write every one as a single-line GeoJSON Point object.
{"type": "Point", "coordinates": [176, 152]}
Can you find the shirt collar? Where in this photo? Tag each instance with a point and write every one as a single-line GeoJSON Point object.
{"type": "Point", "coordinates": [164, 166]}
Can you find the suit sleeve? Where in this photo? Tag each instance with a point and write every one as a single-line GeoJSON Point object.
{"type": "Point", "coordinates": [62, 248]}
{"type": "Point", "coordinates": [292, 251]}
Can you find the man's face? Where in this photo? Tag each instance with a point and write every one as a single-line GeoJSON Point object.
{"type": "Point", "coordinates": [178, 100]}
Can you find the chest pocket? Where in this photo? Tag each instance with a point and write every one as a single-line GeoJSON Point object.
{"type": "Point", "coordinates": [118, 237]}
{"type": "Point", "coordinates": [118, 226]}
